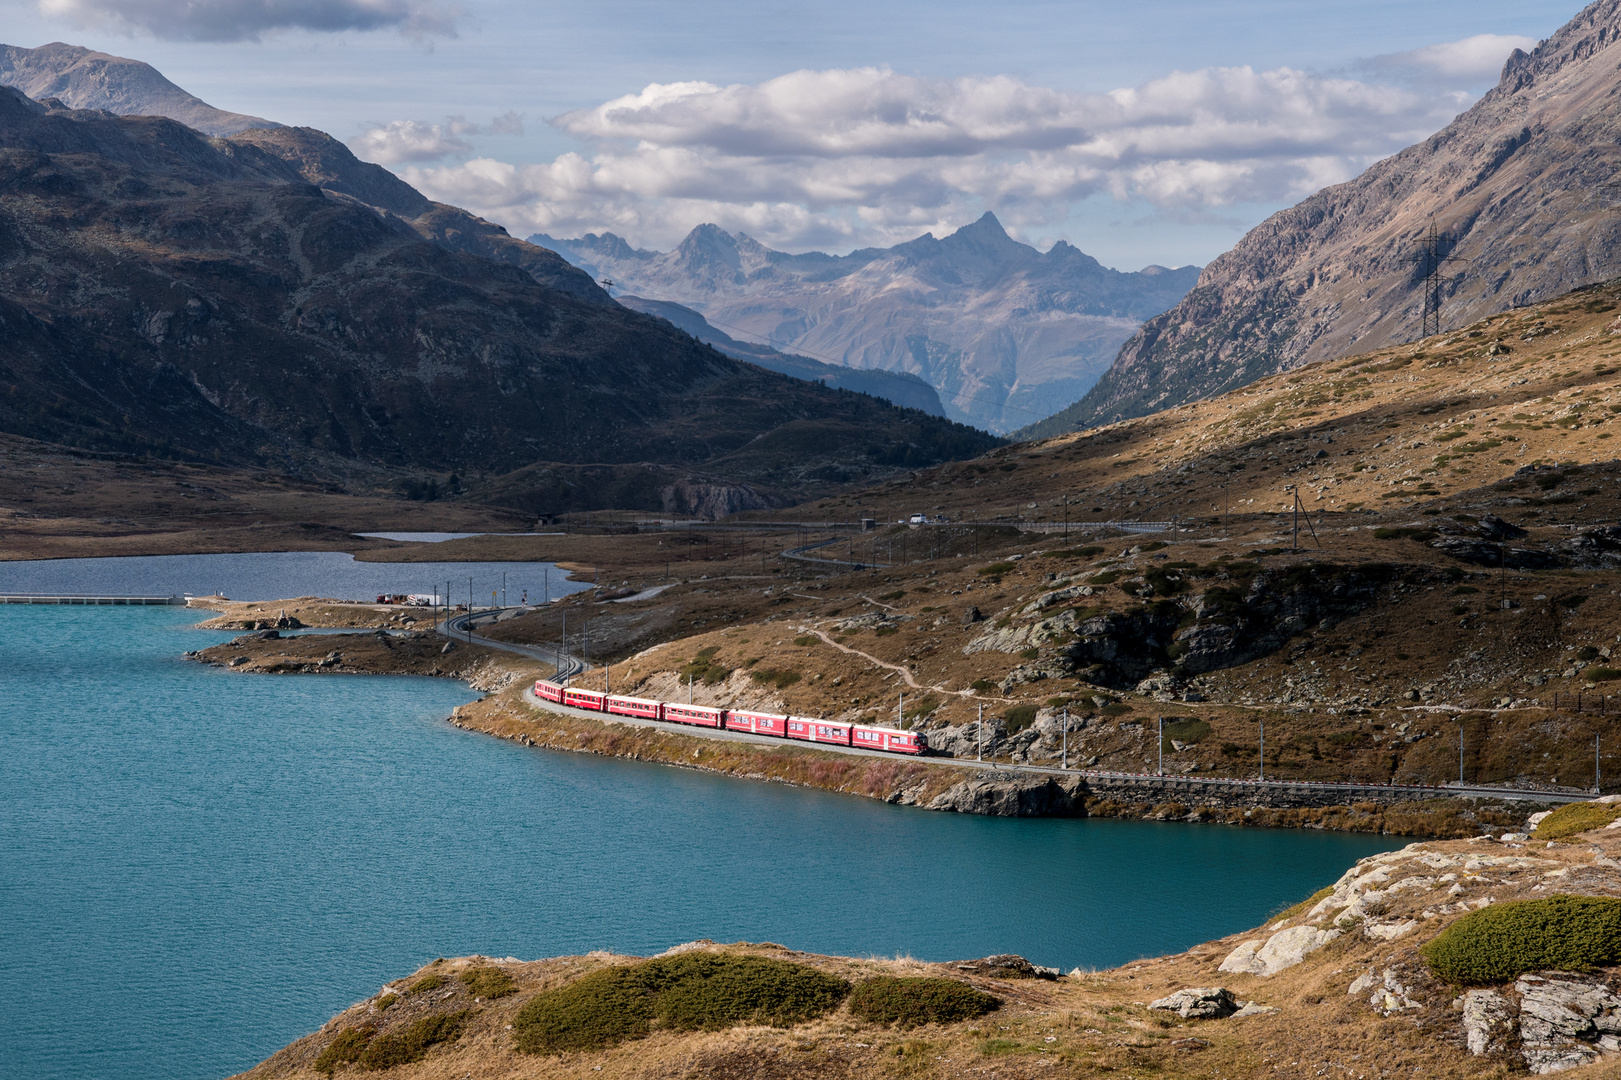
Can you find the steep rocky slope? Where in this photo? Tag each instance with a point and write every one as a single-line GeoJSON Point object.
{"type": "Point", "coordinates": [998, 328]}
{"type": "Point", "coordinates": [165, 292]}
{"type": "Point", "coordinates": [1522, 183]}
{"type": "Point", "coordinates": [82, 78]}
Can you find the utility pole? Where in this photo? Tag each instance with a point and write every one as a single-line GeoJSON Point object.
{"type": "Point", "coordinates": [979, 735]}
{"type": "Point", "coordinates": [1162, 746]}
{"type": "Point", "coordinates": [1430, 257]}
{"type": "Point", "coordinates": [1460, 750]}
{"type": "Point", "coordinates": [562, 648]}
{"type": "Point", "coordinates": [900, 711]}
{"type": "Point", "coordinates": [503, 588]}
{"type": "Point", "coordinates": [1597, 776]}
{"type": "Point", "coordinates": [1066, 738]}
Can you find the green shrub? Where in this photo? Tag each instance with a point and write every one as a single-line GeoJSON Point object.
{"type": "Point", "coordinates": [426, 983]}
{"type": "Point", "coordinates": [692, 991]}
{"type": "Point", "coordinates": [1019, 717]}
{"type": "Point", "coordinates": [910, 1002]}
{"type": "Point", "coordinates": [782, 680]}
{"type": "Point", "coordinates": [805, 641]}
{"type": "Point", "coordinates": [1115, 708]}
{"type": "Point", "coordinates": [488, 982]}
{"type": "Point", "coordinates": [1030, 654]}
{"type": "Point", "coordinates": [1504, 941]}
{"type": "Point", "coordinates": [1187, 731]}
{"type": "Point", "coordinates": [412, 1043]}
{"type": "Point", "coordinates": [886, 631]}
{"type": "Point", "coordinates": [996, 569]}
{"type": "Point", "coordinates": [1602, 674]}
{"type": "Point", "coordinates": [980, 686]}
{"type": "Point", "coordinates": [344, 1050]}
{"type": "Point", "coordinates": [1576, 818]}
{"type": "Point", "coordinates": [385, 1001]}
{"type": "Point", "coordinates": [1108, 577]}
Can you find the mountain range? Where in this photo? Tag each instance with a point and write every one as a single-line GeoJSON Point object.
{"type": "Point", "coordinates": [1000, 329]}
{"type": "Point", "coordinates": [1521, 192]}
{"type": "Point", "coordinates": [267, 300]}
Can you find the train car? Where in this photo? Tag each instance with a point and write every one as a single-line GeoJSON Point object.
{"type": "Point", "coordinates": [551, 691]}
{"type": "Point", "coordinates": [890, 739]}
{"type": "Point", "coordinates": [635, 706]}
{"type": "Point", "coordinates": [818, 731]}
{"type": "Point", "coordinates": [759, 723]}
{"type": "Point", "coordinates": [701, 715]}
{"type": "Point", "coordinates": [584, 699]}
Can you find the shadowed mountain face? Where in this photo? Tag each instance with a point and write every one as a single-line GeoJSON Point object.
{"type": "Point", "coordinates": [1000, 329]}
{"type": "Point", "coordinates": [243, 300]}
{"type": "Point", "coordinates": [898, 387]}
{"type": "Point", "coordinates": [83, 79]}
{"type": "Point", "coordinates": [1523, 184]}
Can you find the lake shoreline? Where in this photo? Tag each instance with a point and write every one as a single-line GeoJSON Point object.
{"type": "Point", "coordinates": [927, 783]}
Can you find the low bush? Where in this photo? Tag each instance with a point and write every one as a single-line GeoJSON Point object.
{"type": "Point", "coordinates": [1030, 654]}
{"type": "Point", "coordinates": [1186, 731]}
{"type": "Point", "coordinates": [980, 686]}
{"type": "Point", "coordinates": [1115, 708]}
{"type": "Point", "coordinates": [488, 982]}
{"type": "Point", "coordinates": [413, 1042]}
{"type": "Point", "coordinates": [782, 680]}
{"type": "Point", "coordinates": [344, 1050]}
{"type": "Point", "coordinates": [692, 991]}
{"type": "Point", "coordinates": [909, 1002]}
{"type": "Point", "coordinates": [1019, 717]}
{"type": "Point", "coordinates": [1602, 674]}
{"type": "Point", "coordinates": [1576, 818]}
{"type": "Point", "coordinates": [806, 641]}
{"type": "Point", "coordinates": [886, 631]}
{"type": "Point", "coordinates": [426, 983]}
{"type": "Point", "coordinates": [996, 569]}
{"type": "Point", "coordinates": [385, 1001]}
{"type": "Point", "coordinates": [1504, 941]}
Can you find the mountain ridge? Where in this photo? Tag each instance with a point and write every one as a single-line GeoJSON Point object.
{"type": "Point", "coordinates": [998, 328]}
{"type": "Point", "coordinates": [1518, 182]}
{"type": "Point", "coordinates": [85, 79]}
{"type": "Point", "coordinates": [247, 315]}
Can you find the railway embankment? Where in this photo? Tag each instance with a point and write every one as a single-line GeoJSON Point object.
{"type": "Point", "coordinates": [940, 784]}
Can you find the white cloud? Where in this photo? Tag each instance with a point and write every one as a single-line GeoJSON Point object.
{"type": "Point", "coordinates": [408, 140]}
{"type": "Point", "coordinates": [871, 156]}
{"type": "Point", "coordinates": [1472, 61]}
{"type": "Point", "coordinates": [247, 20]}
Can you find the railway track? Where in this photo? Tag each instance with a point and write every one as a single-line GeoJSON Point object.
{"type": "Point", "coordinates": [461, 627]}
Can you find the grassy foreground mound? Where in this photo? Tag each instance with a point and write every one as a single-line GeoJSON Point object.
{"type": "Point", "coordinates": [689, 992]}
{"type": "Point", "coordinates": [364, 1047]}
{"type": "Point", "coordinates": [910, 1002]}
{"type": "Point", "coordinates": [1576, 818]}
{"type": "Point", "coordinates": [1504, 941]}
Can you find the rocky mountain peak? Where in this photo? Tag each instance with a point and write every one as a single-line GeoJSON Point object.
{"type": "Point", "coordinates": [85, 79]}
{"type": "Point", "coordinates": [1519, 187]}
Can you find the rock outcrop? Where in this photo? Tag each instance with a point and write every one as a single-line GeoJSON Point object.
{"type": "Point", "coordinates": [1014, 795]}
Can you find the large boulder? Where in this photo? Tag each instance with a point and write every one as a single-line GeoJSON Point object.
{"type": "Point", "coordinates": [1199, 1003]}
{"type": "Point", "coordinates": [1282, 950]}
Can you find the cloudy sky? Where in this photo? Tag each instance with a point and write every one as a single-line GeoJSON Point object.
{"type": "Point", "coordinates": [1156, 131]}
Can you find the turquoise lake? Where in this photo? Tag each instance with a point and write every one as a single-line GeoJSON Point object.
{"type": "Point", "coordinates": [197, 867]}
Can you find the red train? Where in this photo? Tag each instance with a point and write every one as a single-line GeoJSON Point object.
{"type": "Point", "coordinates": [804, 729]}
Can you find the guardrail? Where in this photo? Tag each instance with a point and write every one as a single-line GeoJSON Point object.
{"type": "Point", "coordinates": [40, 598]}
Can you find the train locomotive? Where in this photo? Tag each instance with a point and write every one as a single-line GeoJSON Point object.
{"type": "Point", "coordinates": [800, 728]}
